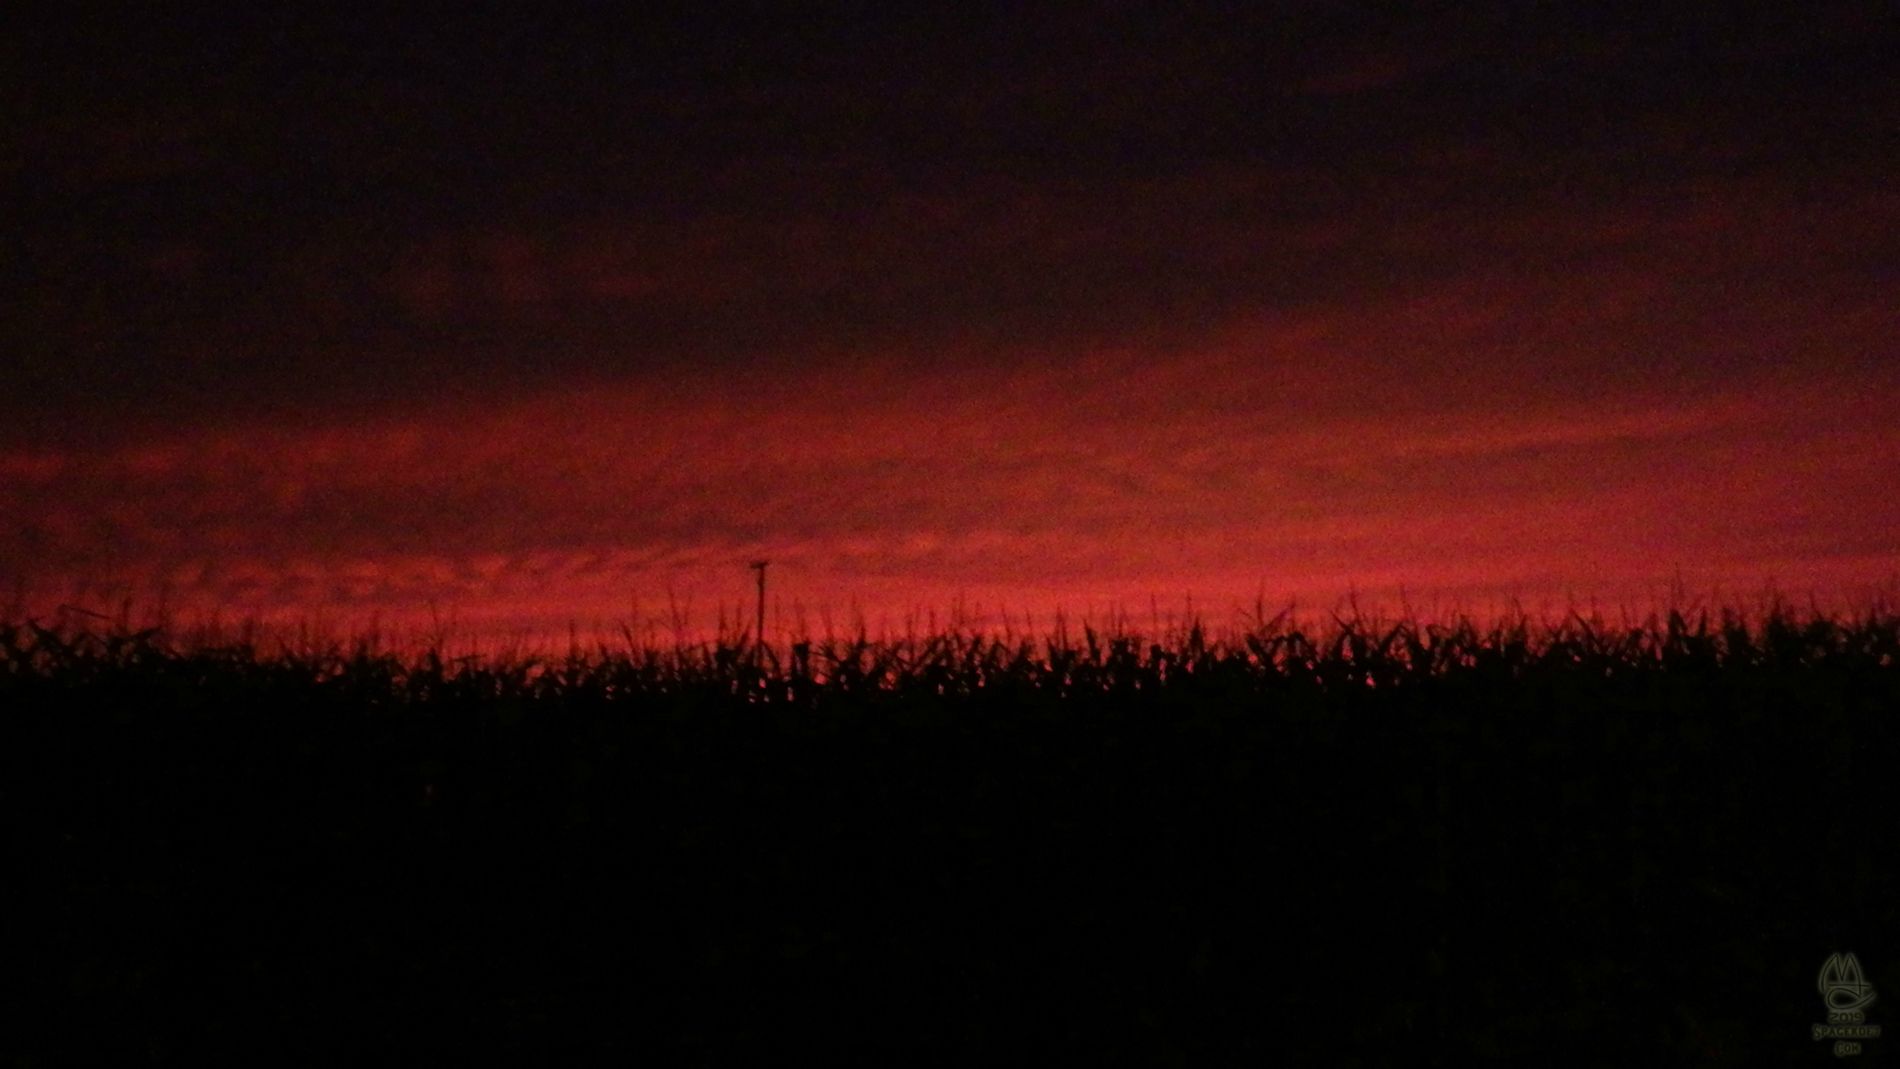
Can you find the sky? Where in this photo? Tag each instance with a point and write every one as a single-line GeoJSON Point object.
{"type": "Point", "coordinates": [523, 319]}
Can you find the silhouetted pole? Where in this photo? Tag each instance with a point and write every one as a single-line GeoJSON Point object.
{"type": "Point", "coordinates": [758, 636]}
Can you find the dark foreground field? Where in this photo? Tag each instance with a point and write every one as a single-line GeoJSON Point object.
{"type": "Point", "coordinates": [1587, 844]}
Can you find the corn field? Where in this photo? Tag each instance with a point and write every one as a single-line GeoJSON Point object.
{"type": "Point", "coordinates": [1333, 657]}
{"type": "Point", "coordinates": [1354, 839]}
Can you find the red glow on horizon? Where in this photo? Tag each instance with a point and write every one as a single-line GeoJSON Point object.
{"type": "Point", "coordinates": [1096, 488]}
{"type": "Point", "coordinates": [1490, 434]}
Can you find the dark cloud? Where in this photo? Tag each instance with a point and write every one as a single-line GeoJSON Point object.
{"type": "Point", "coordinates": [1156, 294]}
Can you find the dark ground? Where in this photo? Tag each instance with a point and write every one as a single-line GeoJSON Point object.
{"type": "Point", "coordinates": [1553, 867]}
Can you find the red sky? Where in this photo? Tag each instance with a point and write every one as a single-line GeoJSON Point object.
{"type": "Point", "coordinates": [1416, 338]}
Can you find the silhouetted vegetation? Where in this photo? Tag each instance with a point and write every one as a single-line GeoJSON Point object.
{"type": "Point", "coordinates": [1366, 841]}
